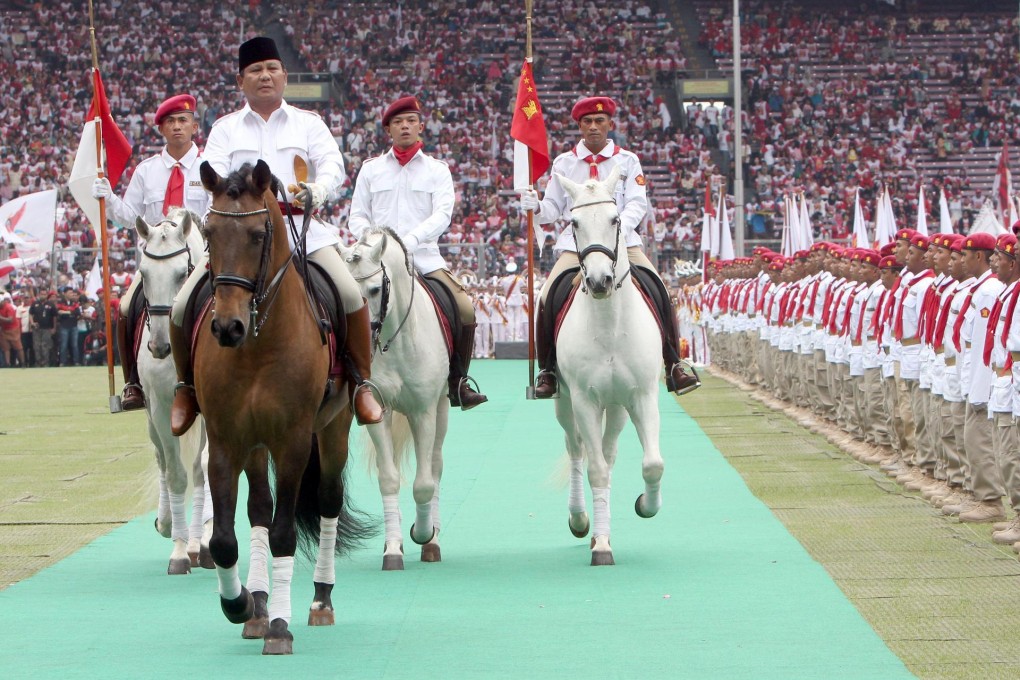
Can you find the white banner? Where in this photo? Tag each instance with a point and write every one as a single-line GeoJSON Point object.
{"type": "Point", "coordinates": [28, 222]}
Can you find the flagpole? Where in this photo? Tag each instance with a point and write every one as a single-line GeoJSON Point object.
{"type": "Point", "coordinates": [104, 237]}
{"type": "Point", "coordinates": [530, 391]}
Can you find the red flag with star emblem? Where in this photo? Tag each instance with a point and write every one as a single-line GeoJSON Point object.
{"type": "Point", "coordinates": [531, 143]}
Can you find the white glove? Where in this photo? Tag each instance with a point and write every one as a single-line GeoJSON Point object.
{"type": "Point", "coordinates": [529, 201]}
{"type": "Point", "coordinates": [316, 191]}
{"type": "Point", "coordinates": [101, 188]}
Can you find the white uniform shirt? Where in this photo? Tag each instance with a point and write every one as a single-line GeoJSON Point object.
{"type": "Point", "coordinates": [245, 137]}
{"type": "Point", "coordinates": [631, 195]}
{"type": "Point", "coordinates": [1001, 400]}
{"type": "Point", "coordinates": [147, 189]}
{"type": "Point", "coordinates": [978, 385]}
{"type": "Point", "coordinates": [414, 200]}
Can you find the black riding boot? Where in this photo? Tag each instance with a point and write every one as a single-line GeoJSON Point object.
{"type": "Point", "coordinates": [461, 392]}
{"type": "Point", "coordinates": [185, 406]}
{"type": "Point", "coordinates": [132, 398]}
{"type": "Point", "coordinates": [545, 381]}
{"type": "Point", "coordinates": [677, 379]}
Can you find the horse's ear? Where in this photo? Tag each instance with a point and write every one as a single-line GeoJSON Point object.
{"type": "Point", "coordinates": [142, 227]}
{"type": "Point", "coordinates": [345, 252]}
{"type": "Point", "coordinates": [186, 223]}
{"type": "Point", "coordinates": [210, 180]}
{"type": "Point", "coordinates": [261, 177]}
{"type": "Point", "coordinates": [572, 188]}
{"type": "Point", "coordinates": [614, 177]}
{"type": "Point", "coordinates": [375, 253]}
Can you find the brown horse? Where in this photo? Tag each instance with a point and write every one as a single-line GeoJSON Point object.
{"type": "Point", "coordinates": [261, 372]}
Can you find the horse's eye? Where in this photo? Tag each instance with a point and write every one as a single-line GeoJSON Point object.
{"type": "Point", "coordinates": [258, 237]}
{"type": "Point", "coordinates": [374, 290]}
{"type": "Point", "coordinates": [574, 222]}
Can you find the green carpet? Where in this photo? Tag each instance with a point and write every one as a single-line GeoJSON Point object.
{"type": "Point", "coordinates": [713, 587]}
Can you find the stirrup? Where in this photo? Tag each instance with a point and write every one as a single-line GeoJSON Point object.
{"type": "Point", "coordinates": [683, 363]}
{"type": "Point", "coordinates": [374, 391]}
{"type": "Point", "coordinates": [549, 376]}
{"type": "Point", "coordinates": [471, 384]}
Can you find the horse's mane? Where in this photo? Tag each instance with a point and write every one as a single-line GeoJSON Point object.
{"type": "Point", "coordinates": [239, 183]}
{"type": "Point", "coordinates": [176, 215]}
{"type": "Point", "coordinates": [387, 231]}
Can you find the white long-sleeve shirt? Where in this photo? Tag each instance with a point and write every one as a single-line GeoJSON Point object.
{"type": "Point", "coordinates": [147, 189]}
{"type": "Point", "coordinates": [245, 137]}
{"type": "Point", "coordinates": [631, 194]}
{"type": "Point", "coordinates": [414, 200]}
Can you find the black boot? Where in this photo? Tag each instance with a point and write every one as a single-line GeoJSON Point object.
{"type": "Point", "coordinates": [366, 409]}
{"type": "Point", "coordinates": [677, 379]}
{"type": "Point", "coordinates": [461, 392]}
{"type": "Point", "coordinates": [185, 407]}
{"type": "Point", "coordinates": [132, 398]}
{"type": "Point", "coordinates": [545, 381]}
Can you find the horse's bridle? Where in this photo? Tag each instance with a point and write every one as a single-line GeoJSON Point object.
{"type": "Point", "coordinates": [258, 287]}
{"type": "Point", "coordinates": [613, 254]}
{"type": "Point", "coordinates": [164, 310]}
{"type": "Point", "coordinates": [384, 305]}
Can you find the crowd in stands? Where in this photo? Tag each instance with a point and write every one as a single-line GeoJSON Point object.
{"type": "Point", "coordinates": [840, 100]}
{"type": "Point", "coordinates": [825, 132]}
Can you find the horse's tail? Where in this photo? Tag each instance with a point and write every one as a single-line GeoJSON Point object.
{"type": "Point", "coordinates": [560, 477]}
{"type": "Point", "coordinates": [400, 433]}
{"type": "Point", "coordinates": [354, 526]}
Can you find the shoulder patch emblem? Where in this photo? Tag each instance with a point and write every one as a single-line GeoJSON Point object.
{"type": "Point", "coordinates": [640, 179]}
{"type": "Point", "coordinates": [985, 312]}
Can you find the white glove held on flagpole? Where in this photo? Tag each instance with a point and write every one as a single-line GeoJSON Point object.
{"type": "Point", "coordinates": [316, 191]}
{"type": "Point", "coordinates": [101, 188]}
{"type": "Point", "coordinates": [529, 200]}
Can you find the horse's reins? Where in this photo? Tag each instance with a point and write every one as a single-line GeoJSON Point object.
{"type": "Point", "coordinates": [384, 304]}
{"type": "Point", "coordinates": [613, 254]}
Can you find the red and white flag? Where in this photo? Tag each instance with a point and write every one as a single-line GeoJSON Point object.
{"type": "Point", "coordinates": [116, 153]}
{"type": "Point", "coordinates": [1002, 187]}
{"type": "Point", "coordinates": [531, 143]}
{"type": "Point", "coordinates": [27, 223]}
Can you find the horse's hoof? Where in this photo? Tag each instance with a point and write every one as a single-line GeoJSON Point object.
{"type": "Point", "coordinates": [279, 639]}
{"type": "Point", "coordinates": [193, 557]}
{"type": "Point", "coordinates": [321, 617]}
{"type": "Point", "coordinates": [205, 559]}
{"type": "Point", "coordinates": [167, 526]}
{"type": "Point", "coordinates": [255, 628]}
{"type": "Point", "coordinates": [393, 563]}
{"type": "Point", "coordinates": [602, 558]}
{"type": "Point", "coordinates": [579, 532]}
{"type": "Point", "coordinates": [637, 509]}
{"type": "Point", "coordinates": [179, 566]}
{"type": "Point", "coordinates": [239, 609]}
{"type": "Point", "coordinates": [430, 553]}
{"type": "Point", "coordinates": [430, 538]}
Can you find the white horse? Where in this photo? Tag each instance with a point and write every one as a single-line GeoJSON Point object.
{"type": "Point", "coordinates": [172, 246]}
{"type": "Point", "coordinates": [609, 358]}
{"type": "Point", "coordinates": [410, 366]}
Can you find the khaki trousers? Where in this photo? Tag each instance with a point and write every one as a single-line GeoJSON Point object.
{"type": "Point", "coordinates": [978, 440]}
{"type": "Point", "coordinates": [1007, 451]}
{"type": "Point", "coordinates": [957, 470]}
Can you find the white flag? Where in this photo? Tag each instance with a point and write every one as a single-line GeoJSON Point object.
{"type": "Point", "coordinates": [860, 235]}
{"type": "Point", "coordinates": [725, 239]}
{"type": "Point", "coordinates": [922, 216]}
{"type": "Point", "coordinates": [27, 223]}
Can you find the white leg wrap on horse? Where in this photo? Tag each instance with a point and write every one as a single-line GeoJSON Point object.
{"type": "Point", "coordinates": [325, 569]}
{"type": "Point", "coordinates": [435, 509]}
{"type": "Point", "coordinates": [197, 510]}
{"type": "Point", "coordinates": [279, 597]}
{"type": "Point", "coordinates": [600, 511]}
{"type": "Point", "coordinates": [258, 564]}
{"type": "Point", "coordinates": [164, 497]}
{"type": "Point", "coordinates": [207, 510]}
{"type": "Point", "coordinates": [575, 502]}
{"type": "Point", "coordinates": [422, 515]}
{"type": "Point", "coordinates": [230, 584]}
{"type": "Point", "coordinates": [179, 515]}
{"type": "Point", "coordinates": [391, 515]}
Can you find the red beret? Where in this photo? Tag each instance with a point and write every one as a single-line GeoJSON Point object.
{"type": "Point", "coordinates": [956, 242]}
{"type": "Point", "coordinates": [801, 254]}
{"type": "Point", "coordinates": [979, 241]}
{"type": "Point", "coordinates": [868, 256]}
{"type": "Point", "coordinates": [919, 241]}
{"type": "Point", "coordinates": [176, 104]}
{"type": "Point", "coordinates": [887, 249]}
{"type": "Point", "coordinates": [777, 265]}
{"type": "Point", "coordinates": [888, 262]}
{"type": "Point", "coordinates": [1006, 243]}
{"type": "Point", "coordinates": [402, 105]}
{"type": "Point", "coordinates": [591, 105]}
{"type": "Point", "coordinates": [821, 245]}
{"type": "Point", "coordinates": [905, 234]}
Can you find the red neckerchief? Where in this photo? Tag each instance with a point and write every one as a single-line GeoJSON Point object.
{"type": "Point", "coordinates": [898, 326]}
{"type": "Point", "coordinates": [963, 310]}
{"type": "Point", "coordinates": [845, 326]}
{"type": "Point", "coordinates": [404, 156]}
{"type": "Point", "coordinates": [939, 333]}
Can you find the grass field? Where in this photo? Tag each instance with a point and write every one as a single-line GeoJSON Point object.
{"type": "Point", "coordinates": [943, 597]}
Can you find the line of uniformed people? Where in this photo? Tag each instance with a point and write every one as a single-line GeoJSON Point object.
{"type": "Point", "coordinates": [909, 350]}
